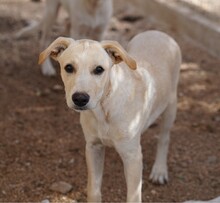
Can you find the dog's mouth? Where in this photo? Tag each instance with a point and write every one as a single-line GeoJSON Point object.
{"type": "Point", "coordinates": [78, 108]}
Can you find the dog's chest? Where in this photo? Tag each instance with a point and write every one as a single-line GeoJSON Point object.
{"type": "Point", "coordinates": [108, 133]}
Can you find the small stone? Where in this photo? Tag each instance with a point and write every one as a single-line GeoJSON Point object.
{"type": "Point", "coordinates": [153, 192]}
{"type": "Point", "coordinates": [28, 164]}
{"type": "Point", "coordinates": [17, 141]}
{"type": "Point", "coordinates": [212, 159]}
{"type": "Point", "coordinates": [180, 94]}
{"type": "Point", "coordinates": [42, 93]}
{"type": "Point", "coordinates": [3, 192]}
{"type": "Point", "coordinates": [61, 187]}
{"type": "Point", "coordinates": [38, 93]}
{"type": "Point", "coordinates": [45, 201]}
{"type": "Point", "coordinates": [57, 87]}
{"type": "Point", "coordinates": [209, 201]}
{"type": "Point", "coordinates": [67, 199]}
{"type": "Point", "coordinates": [72, 161]}
{"type": "Point", "coordinates": [46, 91]}
{"type": "Point", "coordinates": [195, 125]}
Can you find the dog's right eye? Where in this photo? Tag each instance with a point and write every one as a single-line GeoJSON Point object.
{"type": "Point", "coordinates": [69, 68]}
{"type": "Point", "coordinates": [98, 70]}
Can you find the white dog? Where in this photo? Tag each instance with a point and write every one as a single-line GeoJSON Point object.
{"type": "Point", "coordinates": [119, 94]}
{"type": "Point", "coordinates": [87, 19]}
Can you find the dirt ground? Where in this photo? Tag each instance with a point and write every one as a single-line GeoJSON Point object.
{"type": "Point", "coordinates": [41, 141]}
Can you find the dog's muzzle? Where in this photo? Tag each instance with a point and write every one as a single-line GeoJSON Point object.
{"type": "Point", "coordinates": [80, 99]}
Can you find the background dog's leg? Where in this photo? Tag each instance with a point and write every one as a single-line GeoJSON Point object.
{"type": "Point", "coordinates": [50, 14]}
{"type": "Point", "coordinates": [32, 28]}
{"type": "Point", "coordinates": [159, 173]}
{"type": "Point", "coordinates": [95, 163]}
{"type": "Point", "coordinates": [131, 155]}
{"type": "Point", "coordinates": [48, 21]}
{"type": "Point", "coordinates": [47, 68]}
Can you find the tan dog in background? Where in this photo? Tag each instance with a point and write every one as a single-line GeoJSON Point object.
{"type": "Point", "coordinates": [88, 19]}
{"type": "Point", "coordinates": [119, 94]}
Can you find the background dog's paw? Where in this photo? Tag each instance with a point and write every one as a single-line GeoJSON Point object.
{"type": "Point", "coordinates": [159, 174]}
{"type": "Point", "coordinates": [47, 68]}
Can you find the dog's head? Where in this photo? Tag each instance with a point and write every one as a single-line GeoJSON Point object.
{"type": "Point", "coordinates": [85, 67]}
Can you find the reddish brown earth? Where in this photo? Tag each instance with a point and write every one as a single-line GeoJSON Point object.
{"type": "Point", "coordinates": [41, 141]}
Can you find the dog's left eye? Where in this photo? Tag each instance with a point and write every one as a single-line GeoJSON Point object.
{"type": "Point", "coordinates": [69, 68]}
{"type": "Point", "coordinates": [98, 70]}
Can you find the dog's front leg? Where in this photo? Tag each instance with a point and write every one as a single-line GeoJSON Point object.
{"type": "Point", "coordinates": [131, 154]}
{"type": "Point", "coordinates": [95, 162]}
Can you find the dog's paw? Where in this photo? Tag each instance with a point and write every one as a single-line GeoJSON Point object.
{"type": "Point", "coordinates": [47, 69]}
{"type": "Point", "coordinates": [48, 72]}
{"type": "Point", "coordinates": [159, 174]}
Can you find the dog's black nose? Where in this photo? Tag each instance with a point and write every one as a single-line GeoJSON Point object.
{"type": "Point", "coordinates": [80, 99]}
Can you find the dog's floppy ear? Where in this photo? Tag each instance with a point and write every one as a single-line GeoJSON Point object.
{"type": "Point", "coordinates": [118, 54]}
{"type": "Point", "coordinates": [55, 49]}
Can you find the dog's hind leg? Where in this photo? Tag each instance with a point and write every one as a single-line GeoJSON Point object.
{"type": "Point", "coordinates": [32, 28]}
{"type": "Point", "coordinates": [50, 14]}
{"type": "Point", "coordinates": [159, 173]}
{"type": "Point", "coordinates": [48, 21]}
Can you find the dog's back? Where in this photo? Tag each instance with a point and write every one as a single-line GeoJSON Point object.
{"type": "Point", "coordinates": [159, 50]}
{"type": "Point", "coordinates": [160, 56]}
